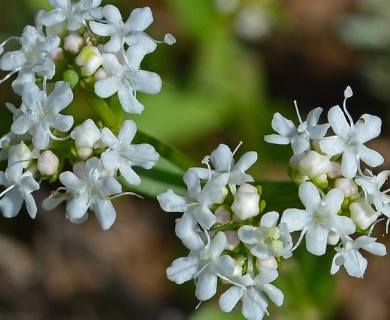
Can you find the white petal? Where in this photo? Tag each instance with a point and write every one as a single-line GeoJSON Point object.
{"type": "Point", "coordinates": [128, 173]}
{"type": "Point", "coordinates": [275, 294]}
{"type": "Point", "coordinates": [295, 219]}
{"type": "Point", "coordinates": [349, 164]}
{"type": "Point", "coordinates": [338, 122]}
{"type": "Point", "coordinates": [110, 160]}
{"type": "Point", "coordinates": [370, 157]}
{"type": "Point", "coordinates": [206, 286]}
{"type": "Point", "coordinates": [105, 213]}
{"type": "Point", "coordinates": [316, 240]}
{"type": "Point", "coordinates": [128, 100]}
{"type": "Point", "coordinates": [171, 202]}
{"type": "Point", "coordinates": [367, 127]}
{"type": "Point", "coordinates": [105, 88]}
{"type": "Point", "coordinates": [183, 269]}
{"type": "Point", "coordinates": [148, 82]}
{"type": "Point", "coordinates": [229, 299]}
{"type": "Point", "coordinates": [139, 19]}
{"type": "Point", "coordinates": [248, 234]}
{"type": "Point", "coordinates": [310, 196]}
{"type": "Point", "coordinates": [283, 126]}
{"type": "Point", "coordinates": [270, 219]}
{"type": "Point", "coordinates": [332, 145]}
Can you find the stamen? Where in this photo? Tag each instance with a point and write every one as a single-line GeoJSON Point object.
{"type": "Point", "coordinates": [347, 94]}
{"type": "Point", "coordinates": [8, 189]}
{"type": "Point", "coordinates": [297, 111]}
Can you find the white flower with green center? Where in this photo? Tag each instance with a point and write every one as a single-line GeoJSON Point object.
{"type": "Point", "coordinates": [350, 139]}
{"type": "Point", "coordinates": [269, 239]}
{"type": "Point", "coordinates": [71, 15]}
{"type": "Point", "coordinates": [122, 155]}
{"type": "Point", "coordinates": [205, 266]}
{"type": "Point", "coordinates": [32, 58]}
{"type": "Point", "coordinates": [319, 219]}
{"type": "Point", "coordinates": [349, 256]}
{"type": "Point", "coordinates": [300, 137]}
{"type": "Point", "coordinates": [372, 187]}
{"type": "Point", "coordinates": [252, 293]}
{"type": "Point", "coordinates": [223, 162]}
{"type": "Point", "coordinates": [19, 186]}
{"type": "Point", "coordinates": [119, 31]}
{"type": "Point", "coordinates": [94, 191]}
{"type": "Point", "coordinates": [126, 79]}
{"type": "Point", "coordinates": [40, 113]}
{"type": "Point", "coordinates": [198, 200]}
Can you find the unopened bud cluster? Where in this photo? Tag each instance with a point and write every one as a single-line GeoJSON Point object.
{"type": "Point", "coordinates": [80, 58]}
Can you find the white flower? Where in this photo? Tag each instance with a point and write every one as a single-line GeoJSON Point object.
{"type": "Point", "coordinates": [73, 15]}
{"type": "Point", "coordinates": [19, 186]}
{"type": "Point", "coordinates": [298, 137]}
{"type": "Point", "coordinates": [119, 31]}
{"type": "Point", "coordinates": [349, 256]}
{"type": "Point", "coordinates": [205, 266]}
{"type": "Point", "coordinates": [197, 201]}
{"type": "Point", "coordinates": [123, 155]}
{"type": "Point", "coordinates": [32, 58]}
{"type": "Point", "coordinates": [92, 191]}
{"type": "Point", "coordinates": [251, 292]}
{"type": "Point", "coordinates": [319, 218]}
{"type": "Point", "coordinates": [126, 80]}
{"type": "Point", "coordinates": [40, 113]}
{"type": "Point", "coordinates": [350, 138]}
{"type": "Point", "coordinates": [267, 240]}
{"type": "Point", "coordinates": [223, 162]}
{"type": "Point", "coordinates": [372, 185]}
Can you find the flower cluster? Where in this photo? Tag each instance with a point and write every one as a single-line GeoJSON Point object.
{"type": "Point", "coordinates": [79, 58]}
{"type": "Point", "coordinates": [340, 197]}
{"type": "Point", "coordinates": [228, 236]}
{"type": "Point", "coordinates": [232, 238]}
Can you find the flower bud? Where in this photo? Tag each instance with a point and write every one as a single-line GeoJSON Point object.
{"type": "Point", "coordinates": [347, 186]}
{"type": "Point", "coordinates": [73, 43]}
{"type": "Point", "coordinates": [89, 60]}
{"type": "Point", "coordinates": [313, 164]}
{"type": "Point", "coordinates": [86, 134]}
{"type": "Point", "coordinates": [333, 238]}
{"type": "Point", "coordinates": [222, 214]}
{"type": "Point", "coordinates": [71, 77]}
{"type": "Point", "coordinates": [362, 214]}
{"type": "Point", "coordinates": [232, 239]}
{"type": "Point", "coordinates": [47, 163]}
{"type": "Point", "coordinates": [246, 202]}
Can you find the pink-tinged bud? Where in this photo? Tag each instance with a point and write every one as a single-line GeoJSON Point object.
{"type": "Point", "coordinates": [47, 163]}
{"type": "Point", "coordinates": [347, 186]}
{"type": "Point", "coordinates": [73, 43]}
{"type": "Point", "coordinates": [232, 240]}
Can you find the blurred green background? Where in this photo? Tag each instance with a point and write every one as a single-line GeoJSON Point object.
{"type": "Point", "coordinates": [235, 63]}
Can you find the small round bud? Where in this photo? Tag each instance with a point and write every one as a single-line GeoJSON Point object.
{"type": "Point", "coordinates": [232, 240]}
{"type": "Point", "coordinates": [347, 186]}
{"type": "Point", "coordinates": [86, 134]}
{"type": "Point", "coordinates": [71, 77]}
{"type": "Point", "coordinates": [84, 153]}
{"type": "Point", "coordinates": [313, 164]}
{"type": "Point", "coordinates": [222, 214]}
{"type": "Point", "coordinates": [73, 43]}
{"type": "Point", "coordinates": [246, 202]}
{"type": "Point", "coordinates": [47, 163]}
